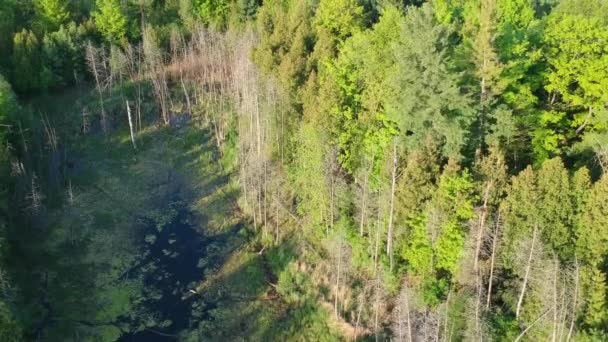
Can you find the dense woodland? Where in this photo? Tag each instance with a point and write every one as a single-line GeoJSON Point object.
{"type": "Point", "coordinates": [405, 170]}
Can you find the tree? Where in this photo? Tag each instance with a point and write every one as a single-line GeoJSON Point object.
{"type": "Point", "coordinates": [8, 24]}
{"type": "Point", "coordinates": [429, 100]}
{"type": "Point", "coordinates": [111, 21]}
{"type": "Point", "coordinates": [8, 108]}
{"type": "Point", "coordinates": [212, 11]}
{"type": "Point", "coordinates": [436, 237]}
{"type": "Point", "coordinates": [28, 72]}
{"type": "Point", "coordinates": [308, 178]}
{"type": "Point", "coordinates": [52, 14]}
{"type": "Point", "coordinates": [62, 55]}
{"type": "Point", "coordinates": [341, 18]}
{"type": "Point", "coordinates": [577, 45]}
{"type": "Point", "coordinates": [595, 298]}
{"type": "Point", "coordinates": [592, 226]}
{"type": "Point", "coordinates": [555, 207]}
{"type": "Point", "coordinates": [10, 327]}
{"type": "Point", "coordinates": [448, 11]}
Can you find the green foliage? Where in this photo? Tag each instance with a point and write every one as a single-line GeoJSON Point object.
{"type": "Point", "coordinates": [212, 11]}
{"type": "Point", "coordinates": [417, 183]}
{"type": "Point", "coordinates": [8, 108]}
{"type": "Point", "coordinates": [419, 251]}
{"type": "Point", "coordinates": [592, 226]}
{"type": "Point", "coordinates": [435, 242]}
{"type": "Point", "coordinates": [341, 18]}
{"type": "Point", "coordinates": [448, 11]}
{"type": "Point", "coordinates": [360, 125]}
{"type": "Point", "coordinates": [111, 21]}
{"type": "Point", "coordinates": [29, 74]}
{"type": "Point", "coordinates": [311, 185]}
{"type": "Point", "coordinates": [286, 38]}
{"type": "Point", "coordinates": [63, 54]}
{"type": "Point", "coordinates": [10, 330]}
{"type": "Point", "coordinates": [577, 45]}
{"type": "Point", "coordinates": [8, 25]}
{"type": "Point", "coordinates": [493, 84]}
{"type": "Point", "coordinates": [576, 38]}
{"type": "Point", "coordinates": [52, 14]}
{"type": "Point", "coordinates": [550, 189]}
{"type": "Point", "coordinates": [454, 200]}
{"type": "Point", "coordinates": [555, 207]}
{"type": "Point", "coordinates": [595, 298]}
{"type": "Point", "coordinates": [308, 322]}
{"type": "Point", "coordinates": [428, 101]}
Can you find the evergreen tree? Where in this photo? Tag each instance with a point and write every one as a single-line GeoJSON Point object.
{"type": "Point", "coordinates": [595, 298]}
{"type": "Point", "coordinates": [111, 21]}
{"type": "Point", "coordinates": [28, 73]}
{"type": "Point", "coordinates": [52, 14]}
{"type": "Point", "coordinates": [555, 207]}
{"type": "Point", "coordinates": [592, 227]}
{"type": "Point", "coordinates": [429, 100]}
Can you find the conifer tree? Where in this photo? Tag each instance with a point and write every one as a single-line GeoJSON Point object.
{"type": "Point", "coordinates": [52, 14]}
{"type": "Point", "coordinates": [111, 21]}
{"type": "Point", "coordinates": [27, 62]}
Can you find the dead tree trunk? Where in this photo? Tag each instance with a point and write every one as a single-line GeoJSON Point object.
{"type": "Point", "coordinates": [389, 239]}
{"type": "Point", "coordinates": [92, 60]}
{"type": "Point", "coordinates": [131, 125]}
{"type": "Point", "coordinates": [527, 274]}
{"type": "Point", "coordinates": [575, 299]}
{"type": "Point", "coordinates": [482, 225]}
{"type": "Point", "coordinates": [492, 259]}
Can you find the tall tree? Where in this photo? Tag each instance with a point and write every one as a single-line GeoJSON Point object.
{"type": "Point", "coordinates": [577, 45]}
{"type": "Point", "coordinates": [111, 21]}
{"type": "Point", "coordinates": [27, 62]}
{"type": "Point", "coordinates": [52, 14]}
{"type": "Point", "coordinates": [429, 100]}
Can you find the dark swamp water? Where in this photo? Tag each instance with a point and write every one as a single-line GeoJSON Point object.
{"type": "Point", "coordinates": [177, 258]}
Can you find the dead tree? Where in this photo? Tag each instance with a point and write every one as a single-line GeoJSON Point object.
{"type": "Point", "coordinates": [134, 70]}
{"type": "Point", "coordinates": [402, 321]}
{"type": "Point", "coordinates": [35, 196]}
{"type": "Point", "coordinates": [341, 256]}
{"type": "Point", "coordinates": [575, 300]}
{"type": "Point", "coordinates": [493, 260]}
{"type": "Point", "coordinates": [157, 72]}
{"type": "Point", "coordinates": [389, 238]}
{"type": "Point", "coordinates": [364, 195]}
{"type": "Point", "coordinates": [95, 66]}
{"type": "Point", "coordinates": [528, 267]}
{"type": "Point", "coordinates": [130, 124]}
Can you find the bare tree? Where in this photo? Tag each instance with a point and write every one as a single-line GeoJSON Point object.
{"type": "Point", "coordinates": [493, 259]}
{"type": "Point", "coordinates": [130, 124]}
{"type": "Point", "coordinates": [35, 196]}
{"type": "Point", "coordinates": [341, 254]}
{"type": "Point", "coordinates": [93, 56]}
{"type": "Point", "coordinates": [402, 321]}
{"type": "Point", "coordinates": [364, 189]}
{"type": "Point", "coordinates": [157, 72]}
{"type": "Point", "coordinates": [575, 300]}
{"type": "Point", "coordinates": [133, 65]}
{"type": "Point", "coordinates": [389, 239]}
{"type": "Point", "coordinates": [528, 267]}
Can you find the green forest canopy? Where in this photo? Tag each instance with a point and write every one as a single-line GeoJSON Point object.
{"type": "Point", "coordinates": [439, 162]}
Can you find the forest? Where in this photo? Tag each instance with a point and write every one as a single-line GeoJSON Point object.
{"type": "Point", "coordinates": [303, 170]}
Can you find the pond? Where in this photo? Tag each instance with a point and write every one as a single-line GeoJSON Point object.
{"type": "Point", "coordinates": [175, 262]}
